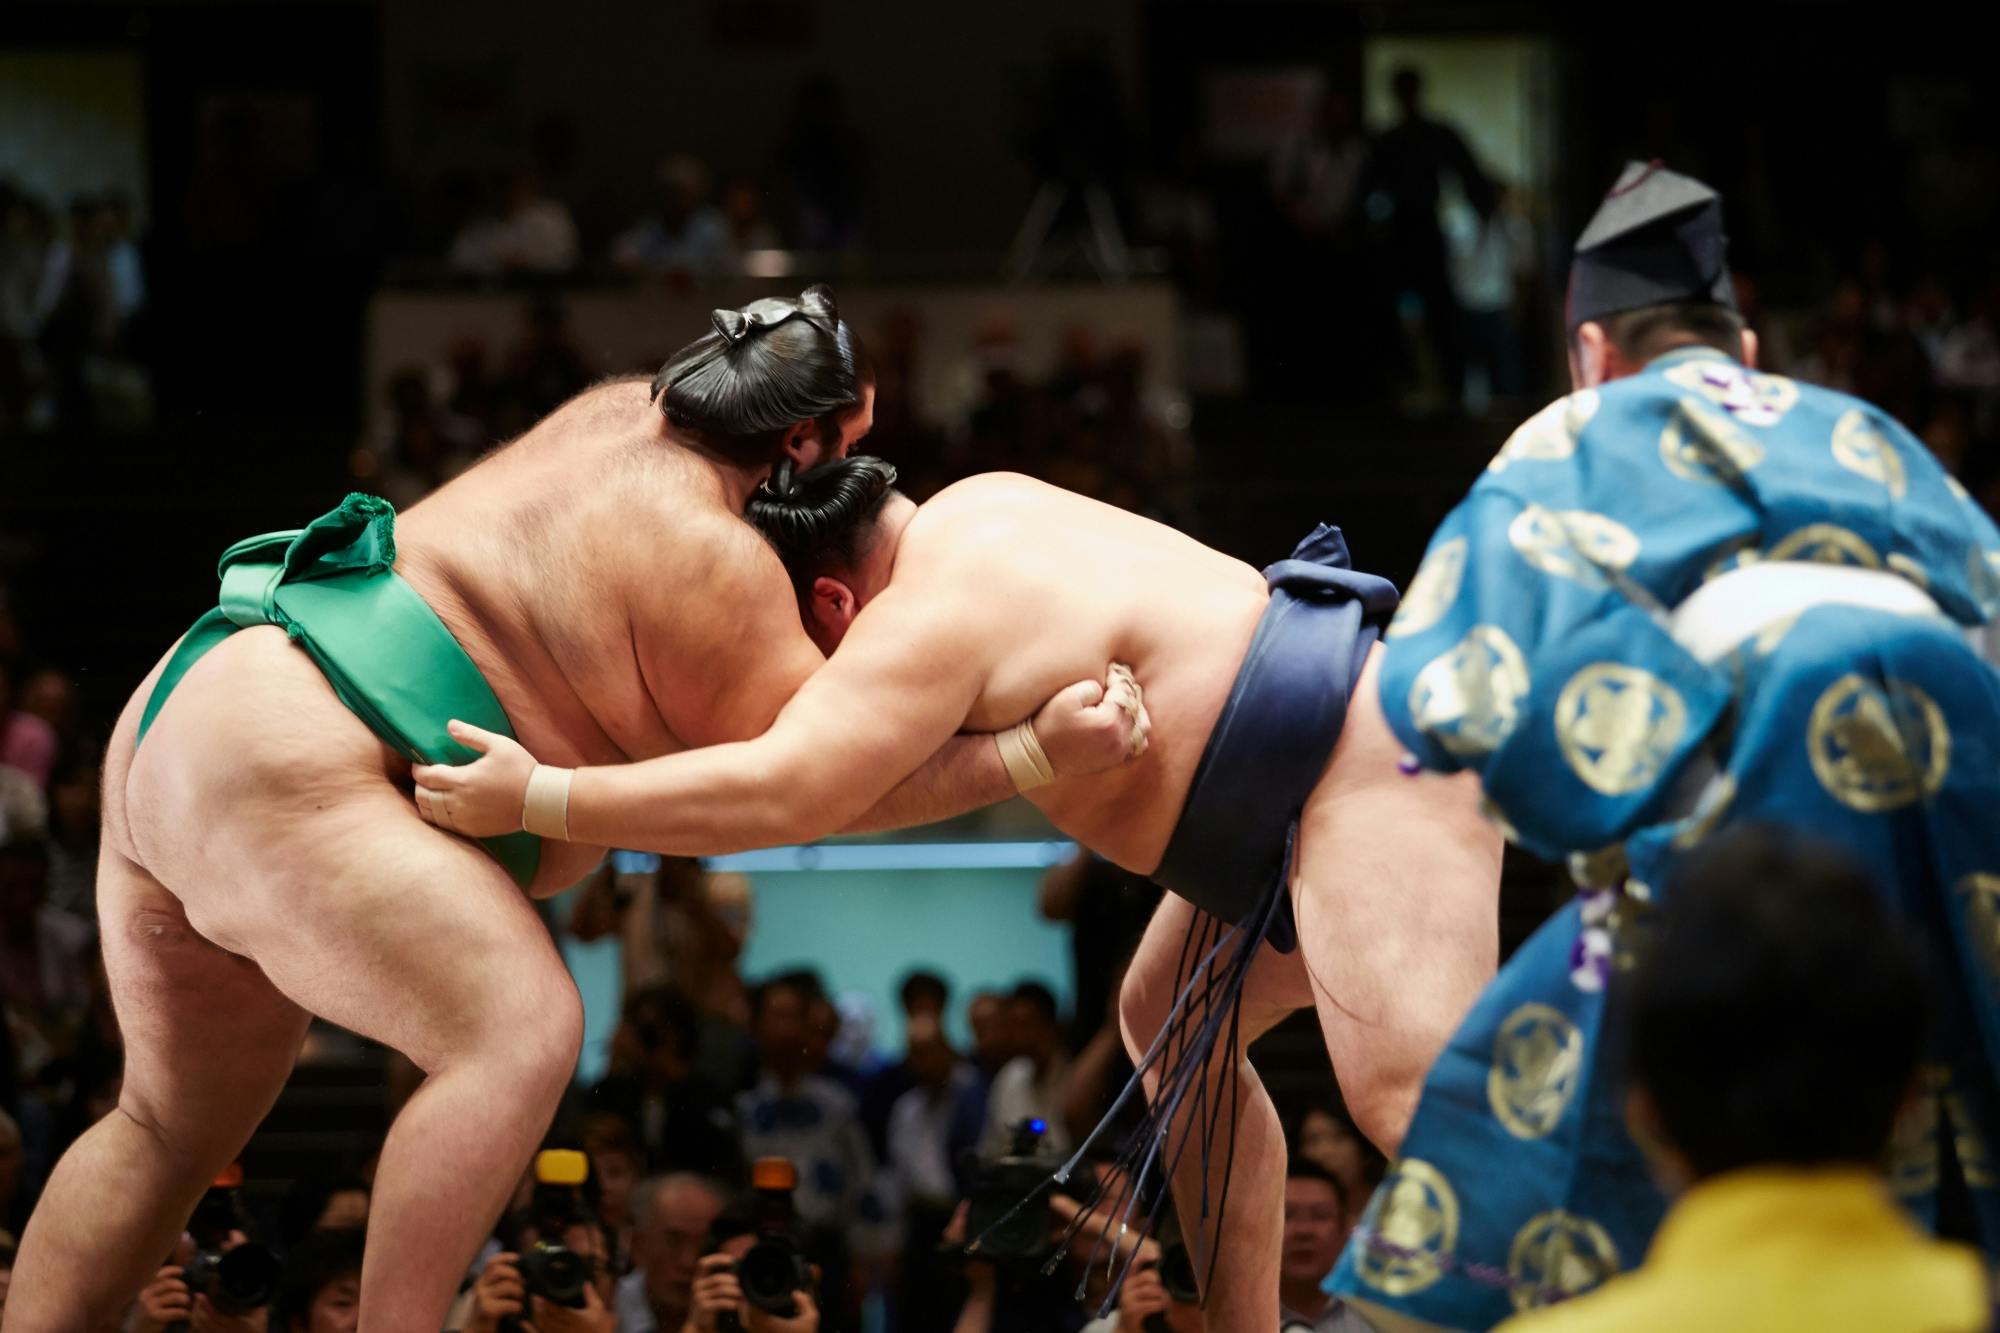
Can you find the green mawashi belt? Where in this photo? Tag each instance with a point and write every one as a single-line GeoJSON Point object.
{"type": "Point", "coordinates": [332, 587]}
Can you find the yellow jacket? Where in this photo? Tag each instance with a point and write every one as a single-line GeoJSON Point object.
{"type": "Point", "coordinates": [1824, 1250]}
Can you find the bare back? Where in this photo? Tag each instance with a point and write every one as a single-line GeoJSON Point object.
{"type": "Point", "coordinates": [597, 576]}
{"type": "Point", "coordinates": [1066, 584]}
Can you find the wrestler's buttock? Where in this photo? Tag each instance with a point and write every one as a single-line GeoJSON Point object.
{"type": "Point", "coordinates": [252, 735]}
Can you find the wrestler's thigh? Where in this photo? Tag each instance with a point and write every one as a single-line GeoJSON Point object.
{"type": "Point", "coordinates": [1275, 987]}
{"type": "Point", "coordinates": [1396, 892]}
{"type": "Point", "coordinates": [208, 1039]}
{"type": "Point", "coordinates": [268, 810]}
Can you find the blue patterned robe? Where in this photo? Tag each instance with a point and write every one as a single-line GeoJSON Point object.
{"type": "Point", "coordinates": [1532, 648]}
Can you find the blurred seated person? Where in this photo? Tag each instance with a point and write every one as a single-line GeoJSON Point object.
{"type": "Point", "coordinates": [1316, 1228]}
{"type": "Point", "coordinates": [47, 955]}
{"type": "Point", "coordinates": [502, 1292]}
{"type": "Point", "coordinates": [718, 1291]}
{"type": "Point", "coordinates": [932, 1128]}
{"type": "Point", "coordinates": [321, 1288]}
{"type": "Point", "coordinates": [27, 741]}
{"type": "Point", "coordinates": [683, 1121]}
{"type": "Point", "coordinates": [992, 1035]}
{"type": "Point", "coordinates": [1774, 1023]}
{"type": "Point", "coordinates": [1327, 1138]}
{"type": "Point", "coordinates": [685, 239]}
{"type": "Point", "coordinates": [923, 996]}
{"type": "Point", "coordinates": [672, 1216]}
{"type": "Point", "coordinates": [1031, 1086]}
{"type": "Point", "coordinates": [533, 233]}
{"type": "Point", "coordinates": [318, 1202]}
{"type": "Point", "coordinates": [616, 1165]}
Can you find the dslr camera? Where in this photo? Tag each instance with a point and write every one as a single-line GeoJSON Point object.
{"type": "Point", "coordinates": [549, 1269]}
{"type": "Point", "coordinates": [775, 1267]}
{"type": "Point", "coordinates": [237, 1281]}
{"type": "Point", "coordinates": [1006, 1217]}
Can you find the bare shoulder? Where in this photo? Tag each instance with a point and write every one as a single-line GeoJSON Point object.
{"type": "Point", "coordinates": [973, 518]}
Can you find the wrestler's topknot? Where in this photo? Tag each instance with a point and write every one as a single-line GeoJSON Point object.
{"type": "Point", "coordinates": [761, 369]}
{"type": "Point", "coordinates": [817, 519]}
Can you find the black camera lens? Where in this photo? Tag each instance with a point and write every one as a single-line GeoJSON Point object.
{"type": "Point", "coordinates": [769, 1274]}
{"type": "Point", "coordinates": [556, 1274]}
{"type": "Point", "coordinates": [239, 1281]}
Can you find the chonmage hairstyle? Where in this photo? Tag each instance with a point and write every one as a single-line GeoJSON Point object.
{"type": "Point", "coordinates": [816, 520]}
{"type": "Point", "coordinates": [763, 369]}
{"type": "Point", "coordinates": [1778, 1013]}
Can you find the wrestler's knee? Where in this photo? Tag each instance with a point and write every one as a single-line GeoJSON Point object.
{"type": "Point", "coordinates": [1144, 1002]}
{"type": "Point", "coordinates": [529, 1030]}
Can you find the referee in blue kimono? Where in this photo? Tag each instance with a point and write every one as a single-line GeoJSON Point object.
{"type": "Point", "coordinates": [1689, 595]}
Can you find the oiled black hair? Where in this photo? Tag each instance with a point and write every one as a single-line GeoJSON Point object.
{"type": "Point", "coordinates": [763, 368]}
{"type": "Point", "coordinates": [818, 520]}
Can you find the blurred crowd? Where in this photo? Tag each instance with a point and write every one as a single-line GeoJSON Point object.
{"type": "Point", "coordinates": [72, 307]}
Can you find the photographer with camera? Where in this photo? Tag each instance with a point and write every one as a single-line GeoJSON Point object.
{"type": "Point", "coordinates": [218, 1279]}
{"type": "Point", "coordinates": [757, 1278]}
{"type": "Point", "coordinates": [1159, 1296]}
{"type": "Point", "coordinates": [555, 1274]}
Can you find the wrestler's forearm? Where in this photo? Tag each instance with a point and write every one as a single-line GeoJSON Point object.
{"type": "Point", "coordinates": [707, 802]}
{"type": "Point", "coordinates": [967, 774]}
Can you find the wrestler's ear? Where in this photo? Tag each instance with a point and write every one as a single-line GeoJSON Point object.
{"type": "Point", "coordinates": [807, 445]}
{"type": "Point", "coordinates": [1750, 346]}
{"type": "Point", "coordinates": [834, 607]}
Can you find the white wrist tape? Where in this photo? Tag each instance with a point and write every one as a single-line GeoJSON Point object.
{"type": "Point", "coordinates": [545, 812]}
{"type": "Point", "coordinates": [1026, 762]}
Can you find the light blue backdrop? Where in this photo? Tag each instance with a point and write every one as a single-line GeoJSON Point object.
{"type": "Point", "coordinates": [863, 930]}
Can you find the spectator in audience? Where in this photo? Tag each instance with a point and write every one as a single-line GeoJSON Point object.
{"type": "Point", "coordinates": [1107, 910]}
{"type": "Point", "coordinates": [1316, 1228]}
{"type": "Point", "coordinates": [1404, 182]}
{"type": "Point", "coordinates": [1328, 1139]}
{"type": "Point", "coordinates": [743, 212]}
{"type": "Point", "coordinates": [544, 369]}
{"type": "Point", "coordinates": [47, 955]}
{"type": "Point", "coordinates": [501, 1292]}
{"type": "Point", "coordinates": [685, 239]}
{"type": "Point", "coordinates": [992, 1037]}
{"type": "Point", "coordinates": [674, 1214]}
{"type": "Point", "coordinates": [75, 814]}
{"type": "Point", "coordinates": [533, 234]}
{"type": "Point", "coordinates": [1146, 1306]}
{"type": "Point", "coordinates": [321, 1289]}
{"type": "Point", "coordinates": [166, 1304]}
{"type": "Point", "coordinates": [923, 995]}
{"type": "Point", "coordinates": [616, 1165]}
{"type": "Point", "coordinates": [717, 1291]}
{"type": "Point", "coordinates": [683, 1122]}
{"type": "Point", "coordinates": [320, 1202]}
{"type": "Point", "coordinates": [931, 1128]}
{"type": "Point", "coordinates": [814, 1123]}
{"type": "Point", "coordinates": [1032, 1084]}
{"type": "Point", "coordinates": [1774, 1023]}
{"type": "Point", "coordinates": [27, 742]}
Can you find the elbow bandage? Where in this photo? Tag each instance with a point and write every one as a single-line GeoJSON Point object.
{"type": "Point", "coordinates": [1022, 753]}
{"type": "Point", "coordinates": [545, 812]}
